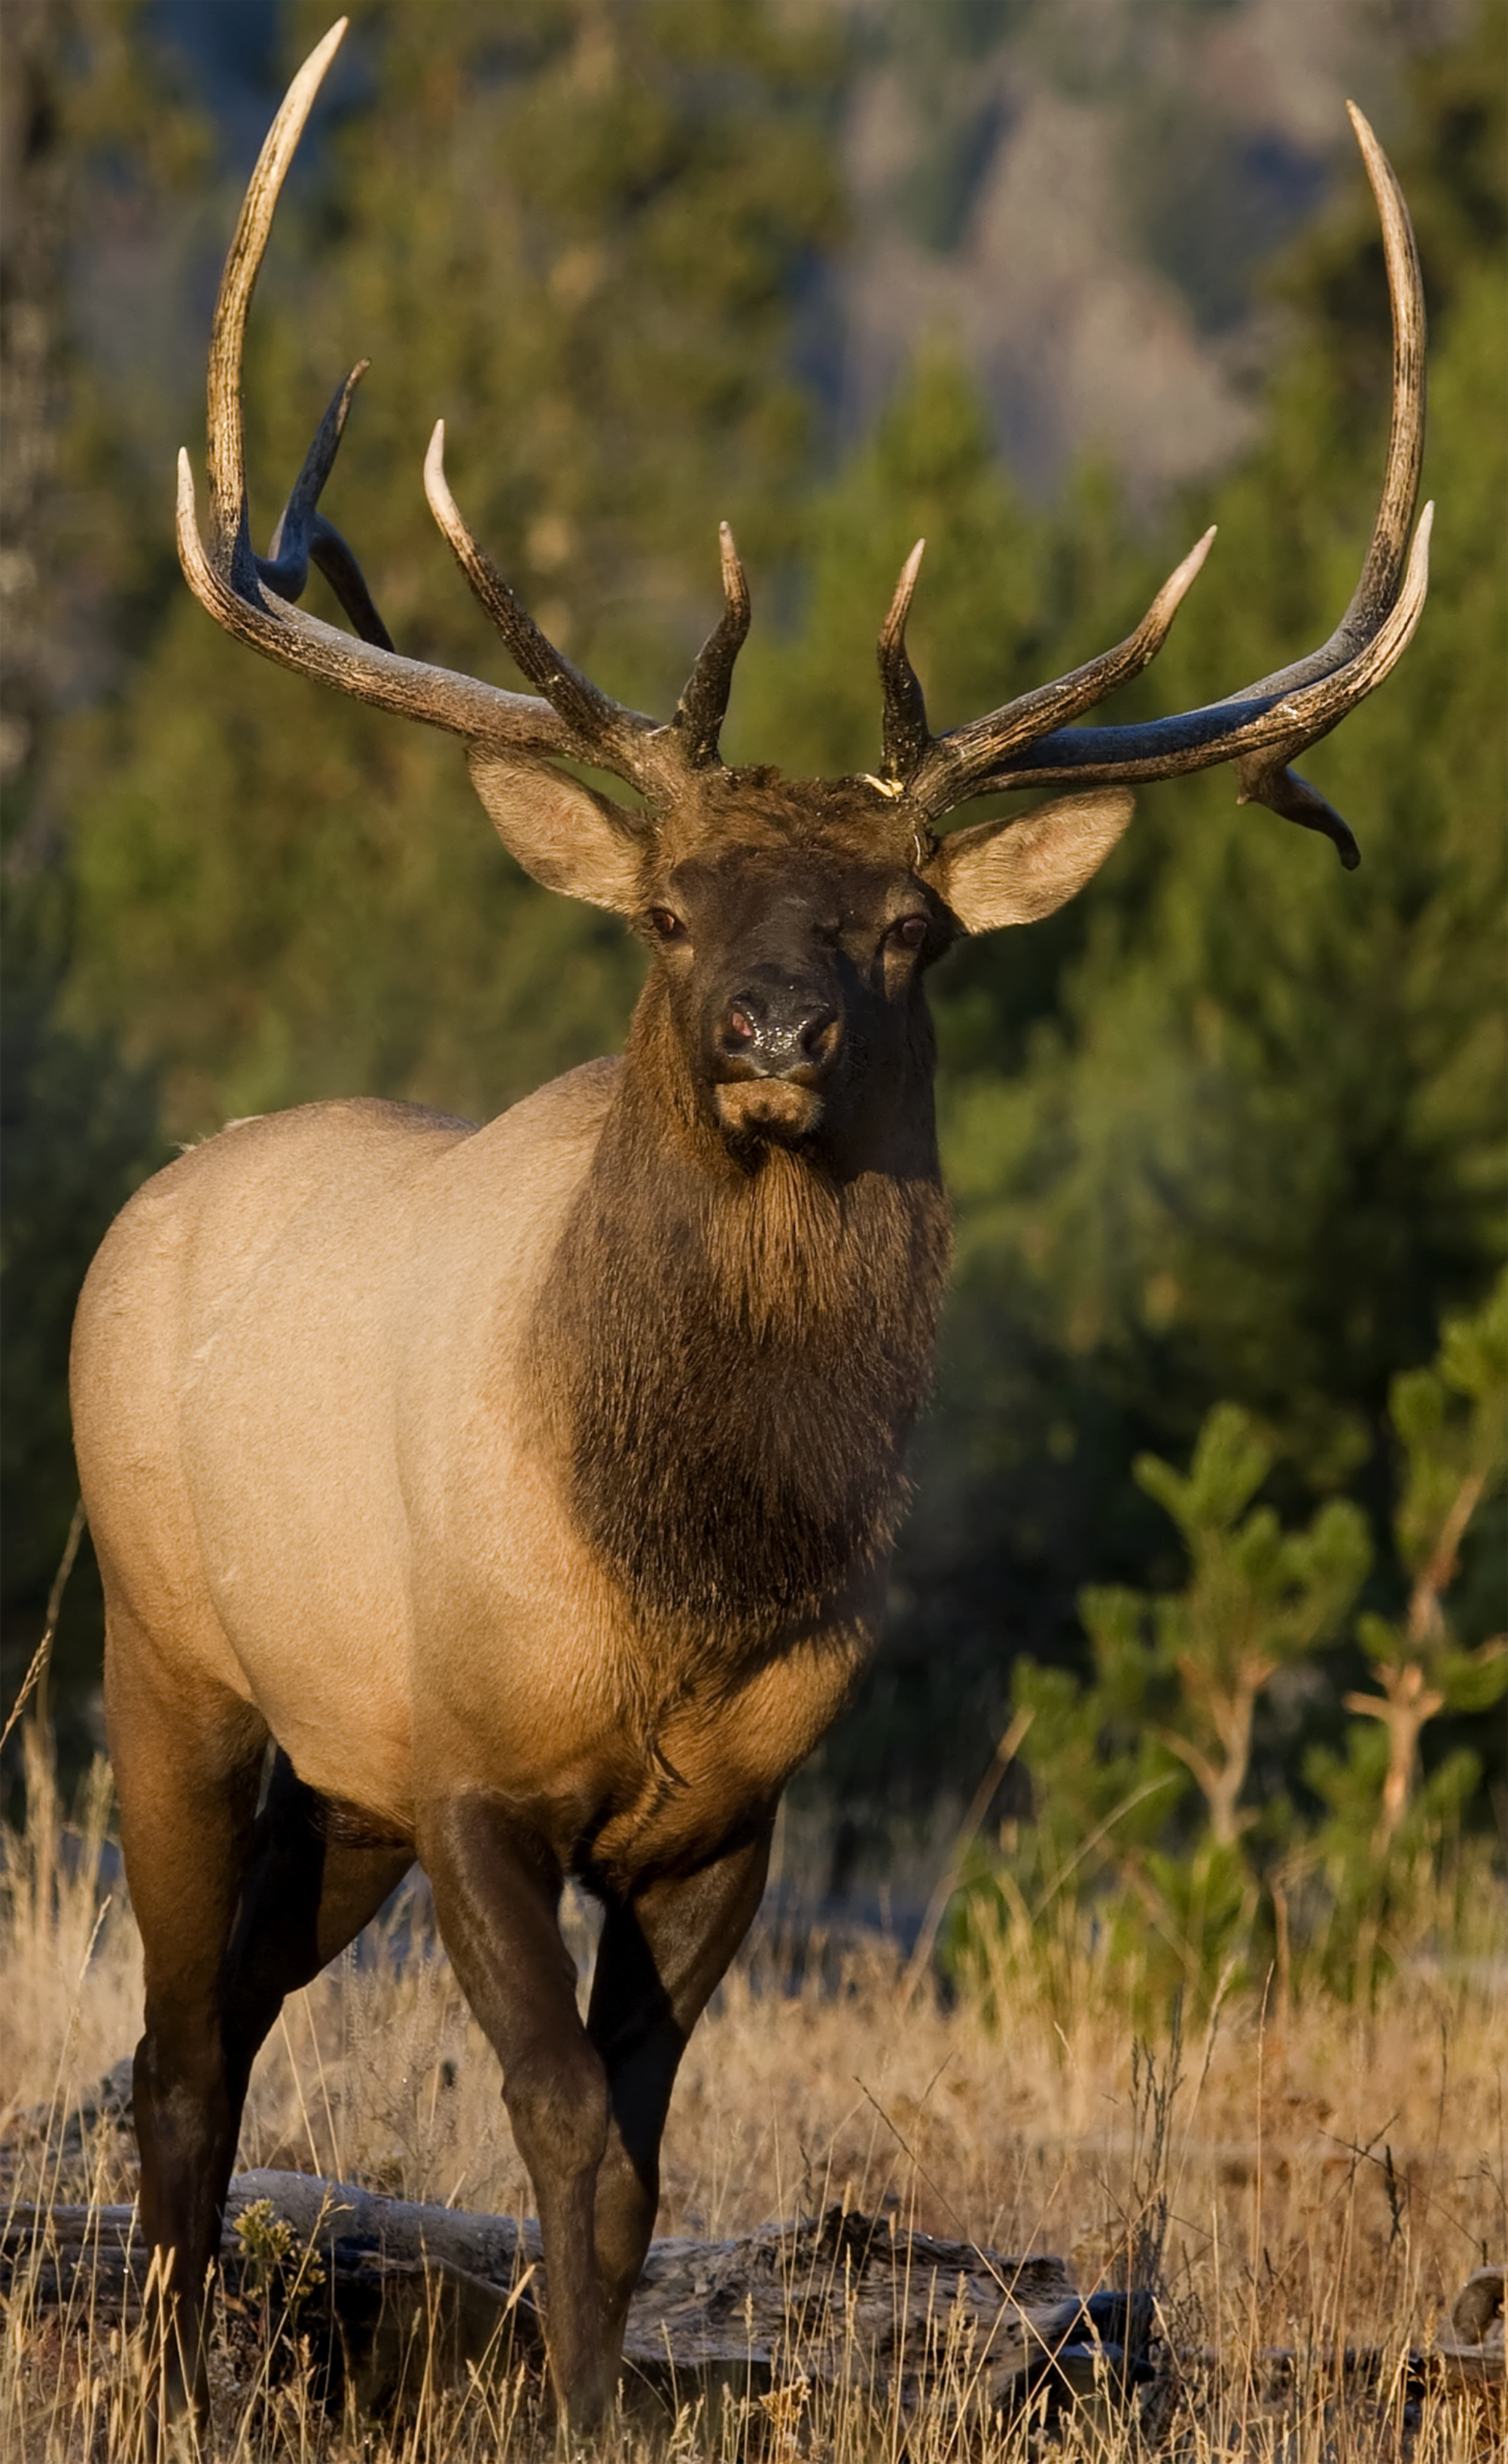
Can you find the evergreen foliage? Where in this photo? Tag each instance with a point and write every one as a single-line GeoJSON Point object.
{"type": "Point", "coordinates": [1385, 1817]}
{"type": "Point", "coordinates": [78, 1124]}
{"type": "Point", "coordinates": [77, 1132]}
{"type": "Point", "coordinates": [1258, 1601]}
{"type": "Point", "coordinates": [1118, 1843]}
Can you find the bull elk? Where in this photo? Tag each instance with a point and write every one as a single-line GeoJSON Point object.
{"type": "Point", "coordinates": [518, 1500]}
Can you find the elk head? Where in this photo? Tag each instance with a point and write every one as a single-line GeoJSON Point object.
{"type": "Point", "coordinates": [790, 921]}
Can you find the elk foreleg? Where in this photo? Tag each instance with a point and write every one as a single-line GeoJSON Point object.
{"type": "Point", "coordinates": [496, 1893]}
{"type": "Point", "coordinates": [663, 1952]}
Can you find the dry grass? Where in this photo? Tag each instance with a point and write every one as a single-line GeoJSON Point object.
{"type": "Point", "coordinates": [1331, 2182]}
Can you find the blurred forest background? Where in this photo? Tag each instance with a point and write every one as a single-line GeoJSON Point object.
{"type": "Point", "coordinates": [1057, 285]}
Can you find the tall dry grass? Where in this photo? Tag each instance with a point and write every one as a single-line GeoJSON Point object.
{"type": "Point", "coordinates": [1325, 2181]}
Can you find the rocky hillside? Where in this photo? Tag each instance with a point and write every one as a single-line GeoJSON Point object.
{"type": "Point", "coordinates": [1085, 192]}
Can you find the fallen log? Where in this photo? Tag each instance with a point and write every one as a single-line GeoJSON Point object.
{"type": "Point", "coordinates": [388, 2294]}
{"type": "Point", "coordinates": [382, 2290]}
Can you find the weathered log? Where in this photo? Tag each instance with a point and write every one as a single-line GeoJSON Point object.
{"type": "Point", "coordinates": [383, 2288]}
{"type": "Point", "coordinates": [388, 2292]}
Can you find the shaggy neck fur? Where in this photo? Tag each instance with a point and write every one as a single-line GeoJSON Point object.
{"type": "Point", "coordinates": [731, 1354]}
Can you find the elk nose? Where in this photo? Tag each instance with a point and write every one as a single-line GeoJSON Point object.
{"type": "Point", "coordinates": [790, 1034]}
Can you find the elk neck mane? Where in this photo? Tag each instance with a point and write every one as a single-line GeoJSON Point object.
{"type": "Point", "coordinates": [730, 1354]}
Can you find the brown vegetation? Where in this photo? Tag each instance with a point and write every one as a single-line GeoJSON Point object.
{"type": "Point", "coordinates": [1329, 2185]}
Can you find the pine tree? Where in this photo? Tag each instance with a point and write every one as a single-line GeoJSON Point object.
{"type": "Point", "coordinates": [1452, 1425]}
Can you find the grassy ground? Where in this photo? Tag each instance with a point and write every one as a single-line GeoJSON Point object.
{"type": "Point", "coordinates": [1328, 2182]}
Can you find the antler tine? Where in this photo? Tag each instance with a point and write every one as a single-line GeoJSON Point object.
{"type": "Point", "coordinates": [302, 532]}
{"type": "Point", "coordinates": [1264, 725]}
{"type": "Point", "coordinates": [952, 764]}
{"type": "Point", "coordinates": [1387, 550]}
{"type": "Point", "coordinates": [703, 706]}
{"type": "Point", "coordinates": [600, 725]}
{"type": "Point", "coordinates": [227, 507]}
{"type": "Point", "coordinates": [338, 565]}
{"type": "Point", "coordinates": [904, 738]}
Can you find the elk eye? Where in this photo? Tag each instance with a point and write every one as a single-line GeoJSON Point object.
{"type": "Point", "coordinates": [911, 932]}
{"type": "Point", "coordinates": [666, 924]}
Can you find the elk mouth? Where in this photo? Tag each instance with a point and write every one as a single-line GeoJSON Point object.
{"type": "Point", "coordinates": [781, 1108]}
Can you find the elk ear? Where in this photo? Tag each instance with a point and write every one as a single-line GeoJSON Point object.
{"type": "Point", "coordinates": [1013, 872]}
{"type": "Point", "coordinates": [566, 835]}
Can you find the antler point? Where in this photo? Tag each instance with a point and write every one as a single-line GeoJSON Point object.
{"type": "Point", "coordinates": [325, 50]}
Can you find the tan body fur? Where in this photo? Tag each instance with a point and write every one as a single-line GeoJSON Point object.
{"type": "Point", "coordinates": [348, 1274]}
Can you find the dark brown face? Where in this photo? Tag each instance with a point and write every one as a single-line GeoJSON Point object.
{"type": "Point", "coordinates": [793, 973]}
{"type": "Point", "coordinates": [793, 921]}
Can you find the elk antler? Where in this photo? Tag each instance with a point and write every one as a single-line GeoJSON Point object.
{"type": "Point", "coordinates": [251, 596]}
{"type": "Point", "coordinates": [1263, 726]}
{"type": "Point", "coordinates": [1028, 744]}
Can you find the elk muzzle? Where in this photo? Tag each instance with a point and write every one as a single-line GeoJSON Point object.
{"type": "Point", "coordinates": [776, 1047]}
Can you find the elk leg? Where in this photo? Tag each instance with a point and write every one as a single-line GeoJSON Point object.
{"type": "Point", "coordinates": [497, 1893]}
{"type": "Point", "coordinates": [306, 1896]}
{"type": "Point", "coordinates": [662, 1954]}
{"type": "Point", "coordinates": [188, 1759]}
